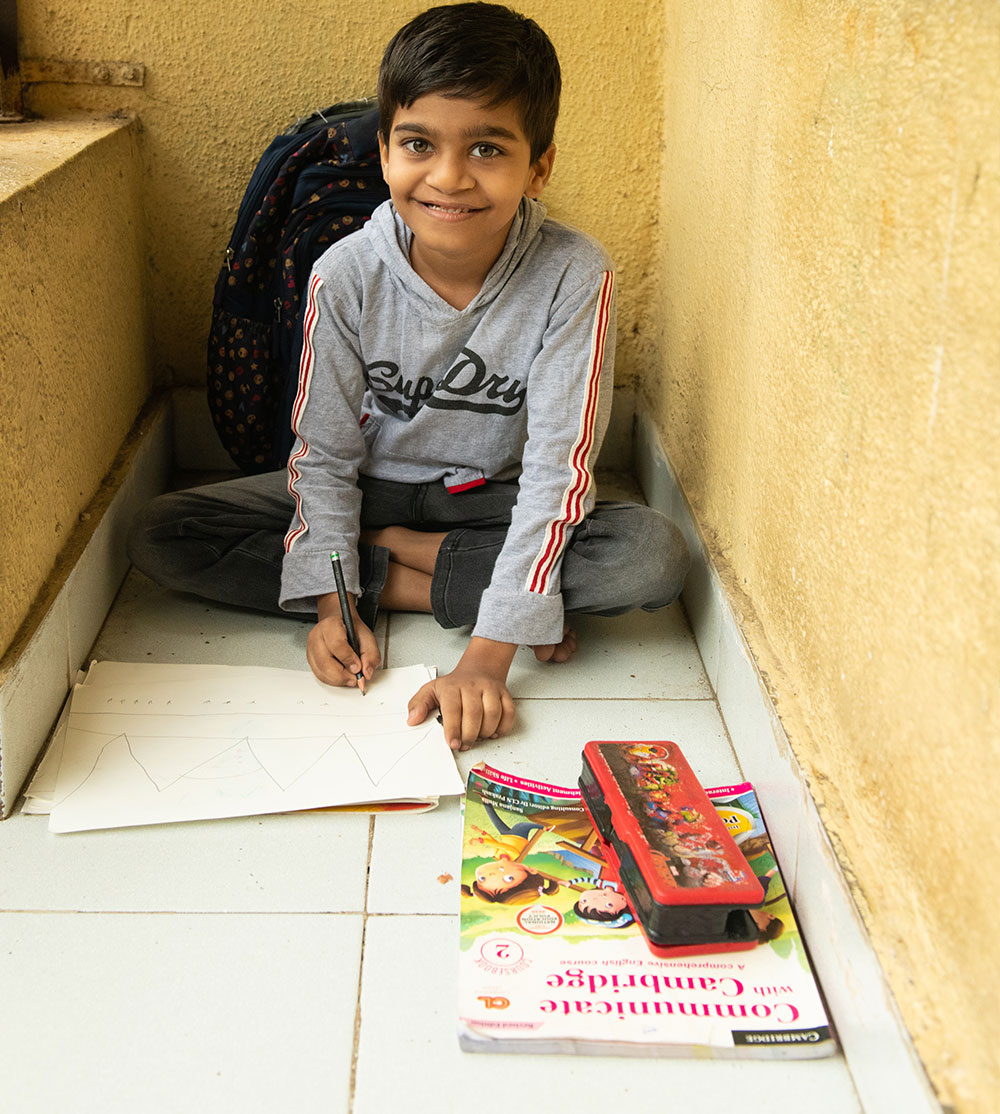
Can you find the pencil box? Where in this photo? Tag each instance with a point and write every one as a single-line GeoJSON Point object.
{"type": "Point", "coordinates": [688, 883]}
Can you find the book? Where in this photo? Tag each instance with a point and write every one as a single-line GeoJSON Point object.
{"type": "Point", "coordinates": [551, 959]}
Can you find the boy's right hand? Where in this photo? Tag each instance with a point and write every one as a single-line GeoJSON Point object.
{"type": "Point", "coordinates": [328, 651]}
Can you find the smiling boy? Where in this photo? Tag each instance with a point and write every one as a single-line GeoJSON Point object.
{"type": "Point", "coordinates": [457, 170]}
{"type": "Point", "coordinates": [454, 390]}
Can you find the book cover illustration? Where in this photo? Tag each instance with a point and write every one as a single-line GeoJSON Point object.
{"type": "Point", "coordinates": [551, 959]}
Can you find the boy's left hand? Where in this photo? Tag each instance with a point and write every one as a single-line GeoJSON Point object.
{"type": "Point", "coordinates": [473, 699]}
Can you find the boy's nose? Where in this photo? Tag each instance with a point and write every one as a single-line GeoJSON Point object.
{"type": "Point", "coordinates": [450, 174]}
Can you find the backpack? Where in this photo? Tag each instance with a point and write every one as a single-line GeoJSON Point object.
{"type": "Point", "coordinates": [317, 182]}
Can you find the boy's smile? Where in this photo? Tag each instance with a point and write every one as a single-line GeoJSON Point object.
{"type": "Point", "coordinates": [457, 171]}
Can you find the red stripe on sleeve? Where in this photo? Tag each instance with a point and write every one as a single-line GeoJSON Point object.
{"type": "Point", "coordinates": [571, 510]}
{"type": "Point", "coordinates": [301, 398]}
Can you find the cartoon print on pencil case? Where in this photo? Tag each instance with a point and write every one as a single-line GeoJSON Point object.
{"type": "Point", "coordinates": [688, 850]}
{"type": "Point", "coordinates": [654, 775]}
{"type": "Point", "coordinates": [238, 767]}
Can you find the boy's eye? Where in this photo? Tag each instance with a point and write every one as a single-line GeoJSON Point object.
{"type": "Point", "coordinates": [416, 146]}
{"type": "Point", "coordinates": [486, 151]}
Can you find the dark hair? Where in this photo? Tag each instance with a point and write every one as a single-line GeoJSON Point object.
{"type": "Point", "coordinates": [775, 928]}
{"type": "Point", "coordinates": [533, 885]}
{"type": "Point", "coordinates": [477, 51]}
{"type": "Point", "coordinates": [602, 916]}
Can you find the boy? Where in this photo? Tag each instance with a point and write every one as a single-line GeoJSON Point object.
{"type": "Point", "coordinates": [454, 389]}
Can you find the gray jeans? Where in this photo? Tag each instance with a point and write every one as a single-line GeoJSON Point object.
{"type": "Point", "coordinates": [225, 542]}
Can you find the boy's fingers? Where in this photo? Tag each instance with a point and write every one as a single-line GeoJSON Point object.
{"type": "Point", "coordinates": [328, 669]}
{"type": "Point", "coordinates": [371, 657]}
{"type": "Point", "coordinates": [420, 704]}
{"type": "Point", "coordinates": [465, 716]}
{"type": "Point", "coordinates": [340, 651]}
{"type": "Point", "coordinates": [492, 715]}
{"type": "Point", "coordinates": [451, 705]}
{"type": "Point", "coordinates": [507, 716]}
{"type": "Point", "coordinates": [322, 655]}
{"type": "Point", "coordinates": [472, 720]}
{"type": "Point", "coordinates": [322, 644]}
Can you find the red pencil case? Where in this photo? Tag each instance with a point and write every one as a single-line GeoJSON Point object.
{"type": "Point", "coordinates": [688, 883]}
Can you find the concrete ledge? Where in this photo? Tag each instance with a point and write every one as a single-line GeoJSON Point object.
{"type": "Point", "coordinates": [37, 670]}
{"type": "Point", "coordinates": [74, 358]}
{"type": "Point", "coordinates": [36, 148]}
{"type": "Point", "coordinates": [885, 1068]}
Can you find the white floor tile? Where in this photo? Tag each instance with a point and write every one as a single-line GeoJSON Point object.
{"type": "Point", "coordinates": [409, 1059]}
{"type": "Point", "coordinates": [302, 862]}
{"type": "Point", "coordinates": [149, 623]}
{"type": "Point", "coordinates": [415, 859]}
{"type": "Point", "coordinates": [640, 656]}
{"type": "Point", "coordinates": [247, 1012]}
{"type": "Point", "coordinates": [157, 1014]}
{"type": "Point", "coordinates": [549, 736]}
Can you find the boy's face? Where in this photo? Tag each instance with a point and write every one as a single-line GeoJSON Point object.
{"type": "Point", "coordinates": [457, 172]}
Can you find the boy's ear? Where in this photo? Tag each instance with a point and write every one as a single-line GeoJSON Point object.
{"type": "Point", "coordinates": [383, 152]}
{"type": "Point", "coordinates": [540, 172]}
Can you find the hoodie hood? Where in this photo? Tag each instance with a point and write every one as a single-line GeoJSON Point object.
{"type": "Point", "coordinates": [391, 239]}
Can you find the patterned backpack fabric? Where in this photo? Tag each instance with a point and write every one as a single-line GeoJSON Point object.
{"type": "Point", "coordinates": [315, 183]}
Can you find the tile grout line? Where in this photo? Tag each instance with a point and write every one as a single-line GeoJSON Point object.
{"type": "Point", "coordinates": [361, 969]}
{"type": "Point", "coordinates": [352, 1082]}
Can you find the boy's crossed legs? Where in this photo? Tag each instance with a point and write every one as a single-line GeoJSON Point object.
{"type": "Point", "coordinates": [225, 542]}
{"type": "Point", "coordinates": [413, 556]}
{"type": "Point", "coordinates": [421, 549]}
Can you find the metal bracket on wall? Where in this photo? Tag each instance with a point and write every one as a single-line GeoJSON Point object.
{"type": "Point", "coordinates": [69, 72]}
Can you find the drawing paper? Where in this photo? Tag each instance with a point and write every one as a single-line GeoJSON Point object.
{"type": "Point", "coordinates": [150, 744]}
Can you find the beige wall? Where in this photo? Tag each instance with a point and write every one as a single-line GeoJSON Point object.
{"type": "Point", "coordinates": [830, 396]}
{"type": "Point", "coordinates": [808, 269]}
{"type": "Point", "coordinates": [73, 364]}
{"type": "Point", "coordinates": [219, 86]}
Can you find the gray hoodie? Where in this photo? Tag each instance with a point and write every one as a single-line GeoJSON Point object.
{"type": "Point", "coordinates": [397, 384]}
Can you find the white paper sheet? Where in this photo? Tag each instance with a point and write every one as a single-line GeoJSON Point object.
{"type": "Point", "coordinates": [151, 744]}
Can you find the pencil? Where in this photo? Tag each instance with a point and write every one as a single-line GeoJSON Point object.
{"type": "Point", "coordinates": [345, 611]}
